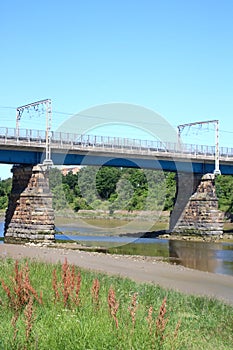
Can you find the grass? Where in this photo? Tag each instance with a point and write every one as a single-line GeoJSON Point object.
{"type": "Point", "coordinates": [45, 306]}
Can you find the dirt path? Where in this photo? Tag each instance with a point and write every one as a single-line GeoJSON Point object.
{"type": "Point", "coordinates": [137, 268]}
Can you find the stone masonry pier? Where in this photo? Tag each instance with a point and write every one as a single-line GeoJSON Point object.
{"type": "Point", "coordinates": [29, 216]}
{"type": "Point", "coordinates": [200, 215]}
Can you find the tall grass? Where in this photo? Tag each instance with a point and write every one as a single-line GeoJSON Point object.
{"type": "Point", "coordinates": [59, 306]}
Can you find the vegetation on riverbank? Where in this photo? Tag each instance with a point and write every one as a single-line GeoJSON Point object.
{"type": "Point", "coordinates": [126, 189]}
{"type": "Point", "coordinates": [45, 306]}
{"type": "Point", "coordinates": [113, 189]}
{"type": "Point", "coordinates": [5, 188]}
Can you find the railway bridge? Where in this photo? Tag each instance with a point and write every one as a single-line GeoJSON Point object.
{"type": "Point", "coordinates": [30, 215]}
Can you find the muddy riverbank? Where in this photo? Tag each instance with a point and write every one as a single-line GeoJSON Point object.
{"type": "Point", "coordinates": [140, 269]}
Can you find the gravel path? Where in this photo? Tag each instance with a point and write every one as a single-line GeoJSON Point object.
{"type": "Point", "coordinates": [137, 268]}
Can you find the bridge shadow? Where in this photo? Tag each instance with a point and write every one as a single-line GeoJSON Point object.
{"type": "Point", "coordinates": [152, 234]}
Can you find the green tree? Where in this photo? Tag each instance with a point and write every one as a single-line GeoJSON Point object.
{"type": "Point", "coordinates": [80, 203]}
{"type": "Point", "coordinates": [55, 177]}
{"type": "Point", "coordinates": [59, 198]}
{"type": "Point", "coordinates": [156, 183]}
{"type": "Point", "coordinates": [224, 192]}
{"type": "Point", "coordinates": [71, 180]}
{"type": "Point", "coordinates": [170, 191]}
{"type": "Point", "coordinates": [5, 188]}
{"type": "Point", "coordinates": [106, 181]}
{"type": "Point", "coordinates": [87, 183]}
{"type": "Point", "coordinates": [122, 198]}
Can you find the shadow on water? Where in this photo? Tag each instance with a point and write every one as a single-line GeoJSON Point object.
{"type": "Point", "coordinates": [204, 256]}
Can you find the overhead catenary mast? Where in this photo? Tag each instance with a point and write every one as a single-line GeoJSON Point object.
{"type": "Point", "coordinates": [48, 109]}
{"type": "Point", "coordinates": [216, 122]}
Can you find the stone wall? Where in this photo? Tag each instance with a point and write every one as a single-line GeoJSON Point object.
{"type": "Point", "coordinates": [186, 186]}
{"type": "Point", "coordinates": [201, 214]}
{"type": "Point", "coordinates": [29, 216]}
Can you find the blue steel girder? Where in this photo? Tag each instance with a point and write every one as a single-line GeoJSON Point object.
{"type": "Point", "coordinates": [10, 156]}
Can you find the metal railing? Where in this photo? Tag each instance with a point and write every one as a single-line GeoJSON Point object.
{"type": "Point", "coordinates": [30, 137]}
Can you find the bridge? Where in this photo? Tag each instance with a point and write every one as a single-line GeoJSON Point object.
{"type": "Point", "coordinates": [30, 216]}
{"type": "Point", "coordinates": [28, 146]}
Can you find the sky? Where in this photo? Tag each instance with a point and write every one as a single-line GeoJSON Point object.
{"type": "Point", "coordinates": [174, 57]}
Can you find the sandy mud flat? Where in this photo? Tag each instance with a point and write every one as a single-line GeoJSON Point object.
{"type": "Point", "coordinates": [140, 269]}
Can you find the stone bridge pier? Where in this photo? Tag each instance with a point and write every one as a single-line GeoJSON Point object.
{"type": "Point", "coordinates": [29, 216]}
{"type": "Point", "coordinates": [196, 210]}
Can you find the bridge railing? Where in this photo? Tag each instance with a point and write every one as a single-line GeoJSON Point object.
{"type": "Point", "coordinates": [226, 152]}
{"type": "Point", "coordinates": [77, 141]}
{"type": "Point", "coordinates": [198, 149]}
{"type": "Point", "coordinates": [29, 135]}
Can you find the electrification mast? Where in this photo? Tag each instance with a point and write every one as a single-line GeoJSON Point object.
{"type": "Point", "coordinates": [216, 123]}
{"type": "Point", "coordinates": [48, 109]}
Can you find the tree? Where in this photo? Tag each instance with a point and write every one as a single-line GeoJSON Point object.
{"type": "Point", "coordinates": [170, 191]}
{"type": "Point", "coordinates": [106, 181]}
{"type": "Point", "coordinates": [87, 184]}
{"type": "Point", "coordinates": [5, 188]}
{"type": "Point", "coordinates": [80, 203]}
{"type": "Point", "coordinates": [123, 196]}
{"type": "Point", "coordinates": [59, 198]}
{"type": "Point", "coordinates": [71, 180]}
{"type": "Point", "coordinates": [224, 192]}
{"type": "Point", "coordinates": [55, 178]}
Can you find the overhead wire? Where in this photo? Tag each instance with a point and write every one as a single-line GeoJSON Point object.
{"type": "Point", "coordinates": [107, 118]}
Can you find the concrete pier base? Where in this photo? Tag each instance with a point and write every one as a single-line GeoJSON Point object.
{"type": "Point", "coordinates": [201, 215]}
{"type": "Point", "coordinates": [29, 216]}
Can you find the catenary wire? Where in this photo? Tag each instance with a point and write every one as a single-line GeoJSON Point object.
{"type": "Point", "coordinates": [104, 118]}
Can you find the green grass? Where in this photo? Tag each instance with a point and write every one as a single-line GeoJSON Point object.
{"type": "Point", "coordinates": [205, 324]}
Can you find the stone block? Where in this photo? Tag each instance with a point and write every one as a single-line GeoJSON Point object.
{"type": "Point", "coordinates": [201, 214]}
{"type": "Point", "coordinates": [29, 215]}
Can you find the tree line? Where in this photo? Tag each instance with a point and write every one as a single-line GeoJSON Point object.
{"type": "Point", "coordinates": [111, 189]}
{"type": "Point", "coordinates": [129, 189]}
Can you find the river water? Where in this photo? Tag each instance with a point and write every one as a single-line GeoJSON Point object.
{"type": "Point", "coordinates": [204, 256]}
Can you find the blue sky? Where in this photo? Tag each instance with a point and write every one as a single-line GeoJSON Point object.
{"type": "Point", "coordinates": [174, 57]}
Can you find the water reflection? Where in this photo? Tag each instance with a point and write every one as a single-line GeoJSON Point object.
{"type": "Point", "coordinates": [144, 247]}
{"type": "Point", "coordinates": [204, 256]}
{"type": "Point", "coordinates": [196, 255]}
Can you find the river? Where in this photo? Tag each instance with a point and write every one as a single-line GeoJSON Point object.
{"type": "Point", "coordinates": [204, 256]}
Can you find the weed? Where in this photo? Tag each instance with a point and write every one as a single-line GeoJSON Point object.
{"type": "Point", "coordinates": [161, 321]}
{"type": "Point", "coordinates": [69, 286]}
{"type": "Point", "coordinates": [95, 292]}
{"type": "Point", "coordinates": [113, 305]}
{"type": "Point", "coordinates": [20, 290]}
{"type": "Point", "coordinates": [132, 308]}
{"type": "Point", "coordinates": [28, 313]}
{"type": "Point", "coordinates": [150, 319]}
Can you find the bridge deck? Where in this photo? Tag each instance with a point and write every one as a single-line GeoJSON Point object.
{"type": "Point", "coordinates": [27, 146]}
